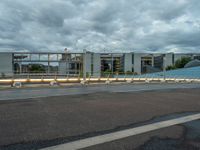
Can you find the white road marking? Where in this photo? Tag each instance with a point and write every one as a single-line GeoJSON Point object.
{"type": "Point", "coordinates": [122, 134]}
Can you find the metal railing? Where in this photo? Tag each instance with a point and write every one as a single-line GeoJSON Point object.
{"type": "Point", "coordinates": [129, 77]}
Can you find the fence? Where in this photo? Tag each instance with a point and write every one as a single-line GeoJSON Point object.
{"type": "Point", "coordinates": [179, 75]}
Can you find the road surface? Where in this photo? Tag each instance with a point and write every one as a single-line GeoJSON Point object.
{"type": "Point", "coordinates": [46, 92]}
{"type": "Point", "coordinates": [36, 123]}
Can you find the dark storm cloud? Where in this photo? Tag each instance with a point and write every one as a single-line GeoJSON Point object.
{"type": "Point", "coordinates": [129, 25]}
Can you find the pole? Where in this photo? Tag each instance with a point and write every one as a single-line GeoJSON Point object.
{"type": "Point", "coordinates": [84, 65]}
{"type": "Point", "coordinates": [164, 67]}
{"type": "Point", "coordinates": [112, 64]}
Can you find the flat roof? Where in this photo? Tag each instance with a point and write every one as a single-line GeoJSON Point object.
{"type": "Point", "coordinates": [106, 53]}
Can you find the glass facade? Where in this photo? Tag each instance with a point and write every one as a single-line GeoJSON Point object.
{"type": "Point", "coordinates": [56, 63]}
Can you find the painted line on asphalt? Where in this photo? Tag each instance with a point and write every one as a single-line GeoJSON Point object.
{"type": "Point", "coordinates": [84, 143]}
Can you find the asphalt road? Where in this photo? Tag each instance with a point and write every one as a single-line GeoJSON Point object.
{"type": "Point", "coordinates": [42, 122]}
{"type": "Point", "coordinates": [179, 137]}
{"type": "Point", "coordinates": [59, 91]}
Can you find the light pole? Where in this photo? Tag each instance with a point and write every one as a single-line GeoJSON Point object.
{"type": "Point", "coordinates": [84, 65]}
{"type": "Point", "coordinates": [112, 63]}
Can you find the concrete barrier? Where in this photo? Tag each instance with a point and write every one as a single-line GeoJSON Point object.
{"type": "Point", "coordinates": [105, 80]}
{"type": "Point", "coordinates": [17, 84]}
{"type": "Point", "coordinates": [84, 82]}
{"type": "Point", "coordinates": [54, 83]}
{"type": "Point", "coordinates": [108, 82]}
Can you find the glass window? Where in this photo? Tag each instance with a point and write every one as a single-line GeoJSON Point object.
{"type": "Point", "coordinates": [59, 57]}
{"type": "Point", "coordinates": [35, 57]}
{"type": "Point", "coordinates": [26, 57]}
{"type": "Point", "coordinates": [44, 57]}
{"type": "Point", "coordinates": [53, 57]}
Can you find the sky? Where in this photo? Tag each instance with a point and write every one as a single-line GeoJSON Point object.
{"type": "Point", "coordinates": [100, 25]}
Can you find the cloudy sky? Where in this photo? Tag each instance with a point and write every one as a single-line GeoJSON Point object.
{"type": "Point", "coordinates": [101, 25]}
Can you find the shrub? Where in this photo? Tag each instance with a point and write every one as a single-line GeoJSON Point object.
{"type": "Point", "coordinates": [171, 67]}
{"type": "Point", "coordinates": [180, 63]}
{"type": "Point", "coordinates": [3, 75]}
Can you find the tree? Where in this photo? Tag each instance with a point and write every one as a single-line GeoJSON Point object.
{"type": "Point", "coordinates": [37, 68]}
{"type": "Point", "coordinates": [180, 63]}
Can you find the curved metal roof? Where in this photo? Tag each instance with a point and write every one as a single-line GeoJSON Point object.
{"type": "Point", "coordinates": [193, 63]}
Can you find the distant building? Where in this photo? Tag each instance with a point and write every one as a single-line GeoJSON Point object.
{"type": "Point", "coordinates": [72, 64]}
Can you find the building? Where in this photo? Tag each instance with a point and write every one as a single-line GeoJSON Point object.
{"type": "Point", "coordinates": [95, 64]}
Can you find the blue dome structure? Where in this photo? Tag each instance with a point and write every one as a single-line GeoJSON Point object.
{"type": "Point", "coordinates": [189, 73]}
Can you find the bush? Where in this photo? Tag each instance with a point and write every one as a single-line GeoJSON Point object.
{"type": "Point", "coordinates": [106, 73]}
{"type": "Point", "coordinates": [37, 68]}
{"type": "Point", "coordinates": [172, 67]}
{"type": "Point", "coordinates": [3, 75]}
{"type": "Point", "coordinates": [129, 73]}
{"type": "Point", "coordinates": [81, 74]}
{"type": "Point", "coordinates": [87, 74]}
{"type": "Point", "coordinates": [180, 63]}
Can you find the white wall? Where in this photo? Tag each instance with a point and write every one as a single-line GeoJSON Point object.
{"type": "Point", "coordinates": [87, 61]}
{"type": "Point", "coordinates": [62, 67]}
{"type": "Point", "coordinates": [96, 65]}
{"type": "Point", "coordinates": [128, 62]}
{"type": "Point", "coordinates": [6, 65]}
{"type": "Point", "coordinates": [137, 62]}
{"type": "Point", "coordinates": [168, 61]}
